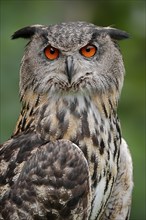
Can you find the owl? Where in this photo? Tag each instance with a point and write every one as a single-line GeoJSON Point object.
{"type": "Point", "coordinates": [66, 158]}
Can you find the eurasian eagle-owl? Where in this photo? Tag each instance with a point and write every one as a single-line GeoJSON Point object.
{"type": "Point", "coordinates": [66, 158]}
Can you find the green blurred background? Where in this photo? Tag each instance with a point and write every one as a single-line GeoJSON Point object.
{"type": "Point", "coordinates": [126, 15]}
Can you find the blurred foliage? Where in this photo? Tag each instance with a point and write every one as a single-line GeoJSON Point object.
{"type": "Point", "coordinates": [126, 15]}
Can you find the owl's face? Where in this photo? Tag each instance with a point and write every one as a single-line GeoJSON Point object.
{"type": "Point", "coordinates": [74, 57]}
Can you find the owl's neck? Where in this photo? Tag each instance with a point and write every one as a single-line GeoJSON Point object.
{"type": "Point", "coordinates": [57, 116]}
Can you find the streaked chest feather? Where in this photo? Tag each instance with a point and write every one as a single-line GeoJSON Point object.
{"type": "Point", "coordinates": [86, 124]}
{"type": "Point", "coordinates": [93, 126]}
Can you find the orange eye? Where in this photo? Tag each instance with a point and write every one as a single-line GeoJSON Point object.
{"type": "Point", "coordinates": [51, 53]}
{"type": "Point", "coordinates": [88, 51]}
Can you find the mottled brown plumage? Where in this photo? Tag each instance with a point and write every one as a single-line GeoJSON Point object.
{"type": "Point", "coordinates": [66, 158]}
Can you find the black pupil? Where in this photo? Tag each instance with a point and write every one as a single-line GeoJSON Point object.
{"type": "Point", "coordinates": [52, 51]}
{"type": "Point", "coordinates": [88, 49]}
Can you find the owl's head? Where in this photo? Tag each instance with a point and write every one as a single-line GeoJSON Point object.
{"type": "Point", "coordinates": [74, 57]}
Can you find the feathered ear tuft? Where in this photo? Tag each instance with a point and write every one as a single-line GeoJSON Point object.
{"type": "Point", "coordinates": [116, 34]}
{"type": "Point", "coordinates": [26, 32]}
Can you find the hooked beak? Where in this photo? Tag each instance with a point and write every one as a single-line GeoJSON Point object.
{"type": "Point", "coordinates": [69, 68]}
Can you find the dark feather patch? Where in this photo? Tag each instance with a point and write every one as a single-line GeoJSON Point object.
{"type": "Point", "coordinates": [26, 32]}
{"type": "Point", "coordinates": [117, 34]}
{"type": "Point", "coordinates": [114, 33]}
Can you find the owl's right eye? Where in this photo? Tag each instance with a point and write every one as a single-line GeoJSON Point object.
{"type": "Point", "coordinates": [51, 53]}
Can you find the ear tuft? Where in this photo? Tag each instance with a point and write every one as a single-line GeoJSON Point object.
{"type": "Point", "coordinates": [26, 32]}
{"type": "Point", "coordinates": [117, 34]}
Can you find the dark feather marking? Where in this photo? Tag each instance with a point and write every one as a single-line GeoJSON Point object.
{"type": "Point", "coordinates": [111, 128]}
{"type": "Point", "coordinates": [27, 107]}
{"type": "Point", "coordinates": [87, 103]}
{"type": "Point", "coordinates": [73, 202]}
{"type": "Point", "coordinates": [109, 137]}
{"type": "Point", "coordinates": [111, 105]}
{"type": "Point", "coordinates": [65, 212]}
{"type": "Point", "coordinates": [46, 128]}
{"type": "Point", "coordinates": [95, 140]}
{"type": "Point", "coordinates": [85, 127]}
{"type": "Point", "coordinates": [73, 105]}
{"type": "Point", "coordinates": [93, 157]}
{"type": "Point", "coordinates": [107, 182]}
{"type": "Point", "coordinates": [60, 115]}
{"type": "Point", "coordinates": [95, 183]}
{"type": "Point", "coordinates": [108, 155]}
{"type": "Point", "coordinates": [128, 214]}
{"type": "Point", "coordinates": [31, 112]}
{"type": "Point", "coordinates": [37, 101]}
{"type": "Point", "coordinates": [119, 131]}
{"type": "Point", "coordinates": [116, 82]}
{"type": "Point", "coordinates": [84, 150]}
{"type": "Point", "coordinates": [63, 127]}
{"type": "Point", "coordinates": [101, 128]}
{"type": "Point", "coordinates": [116, 148]}
{"type": "Point", "coordinates": [17, 200]}
{"type": "Point", "coordinates": [104, 109]}
{"type": "Point", "coordinates": [28, 125]}
{"type": "Point", "coordinates": [23, 123]}
{"type": "Point", "coordinates": [94, 176]}
{"type": "Point", "coordinates": [102, 146]}
{"type": "Point", "coordinates": [95, 162]}
{"type": "Point", "coordinates": [49, 216]}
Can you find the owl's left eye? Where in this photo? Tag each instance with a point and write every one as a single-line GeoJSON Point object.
{"type": "Point", "coordinates": [88, 51]}
{"type": "Point", "coordinates": [51, 52]}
